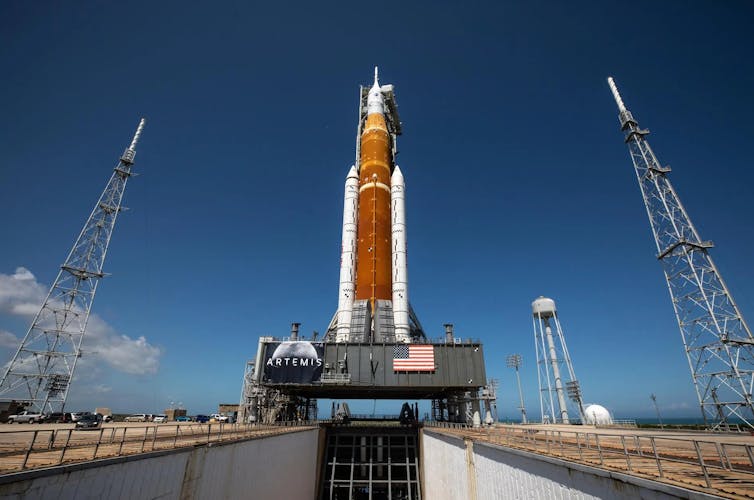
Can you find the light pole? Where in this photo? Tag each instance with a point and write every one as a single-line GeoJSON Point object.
{"type": "Point", "coordinates": [514, 361]}
{"type": "Point", "coordinates": [657, 408]}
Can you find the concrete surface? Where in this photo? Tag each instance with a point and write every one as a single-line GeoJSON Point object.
{"type": "Point", "coordinates": [492, 472]}
{"type": "Point", "coordinates": [280, 466]}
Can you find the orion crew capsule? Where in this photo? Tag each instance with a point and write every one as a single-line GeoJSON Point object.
{"type": "Point", "coordinates": [373, 296]}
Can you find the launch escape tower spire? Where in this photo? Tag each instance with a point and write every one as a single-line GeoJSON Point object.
{"type": "Point", "coordinates": [718, 343]}
{"type": "Point", "coordinates": [42, 368]}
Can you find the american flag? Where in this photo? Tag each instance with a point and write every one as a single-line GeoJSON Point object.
{"type": "Point", "coordinates": [413, 358]}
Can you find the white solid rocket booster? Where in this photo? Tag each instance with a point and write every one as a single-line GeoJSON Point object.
{"type": "Point", "coordinates": [347, 288]}
{"type": "Point", "coordinates": [400, 274]}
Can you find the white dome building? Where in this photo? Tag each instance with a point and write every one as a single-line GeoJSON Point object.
{"type": "Point", "coordinates": [597, 415]}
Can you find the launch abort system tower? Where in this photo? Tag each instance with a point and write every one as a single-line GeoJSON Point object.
{"type": "Point", "coordinates": [375, 346]}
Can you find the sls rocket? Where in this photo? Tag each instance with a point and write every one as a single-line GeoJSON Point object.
{"type": "Point", "coordinates": [373, 294]}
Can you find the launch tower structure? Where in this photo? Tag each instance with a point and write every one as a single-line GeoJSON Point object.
{"type": "Point", "coordinates": [718, 343]}
{"type": "Point", "coordinates": [552, 354]}
{"type": "Point", "coordinates": [42, 368]}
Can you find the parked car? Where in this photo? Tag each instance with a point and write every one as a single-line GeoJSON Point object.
{"type": "Point", "coordinates": [28, 417]}
{"type": "Point", "coordinates": [105, 418]}
{"type": "Point", "coordinates": [183, 418]}
{"type": "Point", "coordinates": [160, 419]}
{"type": "Point", "coordinates": [76, 416]}
{"type": "Point", "coordinates": [56, 418]}
{"type": "Point", "coordinates": [107, 413]}
{"type": "Point", "coordinates": [201, 419]}
{"type": "Point", "coordinates": [217, 417]}
{"type": "Point", "coordinates": [136, 417]}
{"type": "Point", "coordinates": [89, 421]}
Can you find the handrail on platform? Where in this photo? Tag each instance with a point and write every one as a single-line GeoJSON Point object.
{"type": "Point", "coordinates": [643, 454]}
{"type": "Point", "coordinates": [31, 449]}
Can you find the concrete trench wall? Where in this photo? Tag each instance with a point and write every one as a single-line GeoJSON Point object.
{"type": "Point", "coordinates": [454, 468]}
{"type": "Point", "coordinates": [282, 466]}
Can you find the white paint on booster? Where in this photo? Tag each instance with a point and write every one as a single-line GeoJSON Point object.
{"type": "Point", "coordinates": [348, 256]}
{"type": "Point", "coordinates": [400, 273]}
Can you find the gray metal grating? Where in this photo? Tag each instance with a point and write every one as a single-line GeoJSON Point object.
{"type": "Point", "coordinates": [371, 464]}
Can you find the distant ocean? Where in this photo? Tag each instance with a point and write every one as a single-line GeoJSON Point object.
{"type": "Point", "coordinates": [671, 421]}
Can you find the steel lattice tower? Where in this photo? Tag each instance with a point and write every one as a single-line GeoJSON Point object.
{"type": "Point", "coordinates": [42, 368]}
{"type": "Point", "coordinates": [716, 338]}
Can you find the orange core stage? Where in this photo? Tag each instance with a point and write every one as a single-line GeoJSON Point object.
{"type": "Point", "coordinates": [373, 258]}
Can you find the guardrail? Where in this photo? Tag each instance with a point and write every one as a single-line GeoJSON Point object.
{"type": "Point", "coordinates": [617, 422]}
{"type": "Point", "coordinates": [31, 449]}
{"type": "Point", "coordinates": [623, 423]}
{"type": "Point", "coordinates": [445, 425]}
{"type": "Point", "coordinates": [701, 462]}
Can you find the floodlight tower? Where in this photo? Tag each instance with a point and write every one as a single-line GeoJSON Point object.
{"type": "Point", "coordinates": [514, 361]}
{"type": "Point", "coordinates": [718, 343]}
{"type": "Point", "coordinates": [551, 355]}
{"type": "Point", "coordinates": [42, 368]}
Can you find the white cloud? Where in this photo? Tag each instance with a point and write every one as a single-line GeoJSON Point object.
{"type": "Point", "coordinates": [22, 295]}
{"type": "Point", "coordinates": [135, 356]}
{"type": "Point", "coordinates": [7, 339]}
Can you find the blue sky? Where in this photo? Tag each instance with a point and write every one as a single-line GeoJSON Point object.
{"type": "Point", "coordinates": [518, 181]}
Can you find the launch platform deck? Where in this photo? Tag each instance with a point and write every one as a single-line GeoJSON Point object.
{"type": "Point", "coordinates": [714, 463]}
{"type": "Point", "coordinates": [366, 370]}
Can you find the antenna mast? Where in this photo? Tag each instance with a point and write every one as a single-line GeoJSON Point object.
{"type": "Point", "coordinates": [42, 368]}
{"type": "Point", "coordinates": [718, 343]}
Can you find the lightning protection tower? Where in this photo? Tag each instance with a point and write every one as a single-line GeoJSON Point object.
{"type": "Point", "coordinates": [718, 343]}
{"type": "Point", "coordinates": [552, 354]}
{"type": "Point", "coordinates": [42, 368]}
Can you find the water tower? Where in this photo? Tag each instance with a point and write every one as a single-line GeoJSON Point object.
{"type": "Point", "coordinates": [552, 357]}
